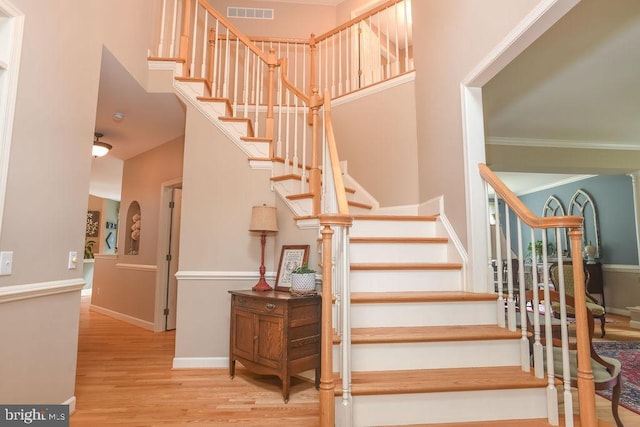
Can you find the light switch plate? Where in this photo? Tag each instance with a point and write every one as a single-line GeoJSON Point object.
{"type": "Point", "coordinates": [6, 262]}
{"type": "Point", "coordinates": [73, 260]}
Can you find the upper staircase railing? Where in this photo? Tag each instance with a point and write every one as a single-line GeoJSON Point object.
{"type": "Point", "coordinates": [366, 50]}
{"type": "Point", "coordinates": [507, 256]}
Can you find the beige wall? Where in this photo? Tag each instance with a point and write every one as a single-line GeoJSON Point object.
{"type": "Point", "coordinates": [219, 190]}
{"type": "Point", "coordinates": [48, 184]}
{"type": "Point", "coordinates": [39, 345]}
{"type": "Point", "coordinates": [290, 20]}
{"type": "Point", "coordinates": [450, 38]}
{"type": "Point", "coordinates": [382, 158]}
{"type": "Point", "coordinates": [126, 284]}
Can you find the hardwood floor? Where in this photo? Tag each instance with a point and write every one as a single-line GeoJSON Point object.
{"type": "Point", "coordinates": [125, 377]}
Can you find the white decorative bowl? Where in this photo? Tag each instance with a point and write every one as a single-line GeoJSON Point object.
{"type": "Point", "coordinates": [303, 283]}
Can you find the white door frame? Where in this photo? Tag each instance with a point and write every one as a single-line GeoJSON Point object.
{"type": "Point", "coordinates": [164, 229]}
{"type": "Point", "coordinates": [11, 31]}
{"type": "Point", "coordinates": [539, 20]}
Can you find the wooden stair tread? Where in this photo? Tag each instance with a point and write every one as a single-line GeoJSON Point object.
{"type": "Point", "coordinates": [191, 79]}
{"type": "Point", "coordinates": [420, 296]}
{"type": "Point", "coordinates": [441, 380]}
{"type": "Point", "coordinates": [406, 334]}
{"type": "Point", "coordinates": [395, 217]}
{"type": "Point", "coordinates": [398, 240]}
{"type": "Point", "coordinates": [286, 177]}
{"type": "Point", "coordinates": [255, 139]}
{"type": "Point", "coordinates": [407, 266]}
{"type": "Point", "coordinates": [165, 59]}
{"type": "Point", "coordinates": [300, 196]}
{"type": "Point", "coordinates": [359, 205]}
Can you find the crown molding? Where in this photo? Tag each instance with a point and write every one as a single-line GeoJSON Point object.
{"type": "Point", "coordinates": [563, 143]}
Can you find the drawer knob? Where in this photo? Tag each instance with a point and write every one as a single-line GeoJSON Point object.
{"type": "Point", "coordinates": [270, 306]}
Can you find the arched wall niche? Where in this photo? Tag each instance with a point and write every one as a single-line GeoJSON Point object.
{"type": "Point", "coordinates": [132, 241]}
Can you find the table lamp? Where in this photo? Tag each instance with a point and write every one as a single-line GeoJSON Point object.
{"type": "Point", "coordinates": [263, 220]}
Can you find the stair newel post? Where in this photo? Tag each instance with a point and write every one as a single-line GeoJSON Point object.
{"type": "Point", "coordinates": [184, 37]}
{"type": "Point", "coordinates": [272, 63]}
{"type": "Point", "coordinates": [327, 386]}
{"type": "Point", "coordinates": [315, 102]}
{"type": "Point", "coordinates": [329, 273]}
{"type": "Point", "coordinates": [586, 388]}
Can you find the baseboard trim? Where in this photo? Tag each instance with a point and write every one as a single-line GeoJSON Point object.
{"type": "Point", "coordinates": [35, 290]}
{"type": "Point", "coordinates": [200, 362]}
{"type": "Point", "coordinates": [124, 317]}
{"type": "Point", "coordinates": [72, 404]}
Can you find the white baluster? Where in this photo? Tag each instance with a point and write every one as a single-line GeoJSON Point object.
{"type": "Point", "coordinates": [215, 84]}
{"type": "Point", "coordinates": [193, 41]}
{"type": "Point", "coordinates": [203, 67]}
{"type": "Point", "coordinates": [162, 24]}
{"type": "Point", "coordinates": [245, 86]}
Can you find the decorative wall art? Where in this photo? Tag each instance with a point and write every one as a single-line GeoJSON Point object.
{"type": "Point", "coordinates": [93, 223]}
{"type": "Point", "coordinates": [291, 257]}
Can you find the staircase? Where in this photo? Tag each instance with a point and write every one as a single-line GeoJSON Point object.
{"type": "Point", "coordinates": [423, 350]}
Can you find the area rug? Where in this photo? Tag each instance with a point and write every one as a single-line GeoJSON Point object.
{"type": "Point", "coordinates": [628, 353]}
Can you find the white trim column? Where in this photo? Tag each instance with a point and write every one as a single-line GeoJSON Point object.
{"type": "Point", "coordinates": [635, 179]}
{"type": "Point", "coordinates": [11, 29]}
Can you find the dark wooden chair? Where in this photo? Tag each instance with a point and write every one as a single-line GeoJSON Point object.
{"type": "Point", "coordinates": [607, 371]}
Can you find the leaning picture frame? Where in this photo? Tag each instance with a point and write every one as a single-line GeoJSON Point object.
{"type": "Point", "coordinates": [291, 257]}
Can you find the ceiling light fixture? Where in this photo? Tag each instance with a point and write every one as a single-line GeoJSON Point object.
{"type": "Point", "coordinates": [117, 116]}
{"type": "Point", "coordinates": [99, 148]}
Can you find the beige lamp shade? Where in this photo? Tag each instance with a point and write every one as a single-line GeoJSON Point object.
{"type": "Point", "coordinates": [263, 218]}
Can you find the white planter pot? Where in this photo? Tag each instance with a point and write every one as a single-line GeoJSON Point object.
{"type": "Point", "coordinates": [304, 283]}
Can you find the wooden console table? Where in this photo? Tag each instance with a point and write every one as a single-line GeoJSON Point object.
{"type": "Point", "coordinates": [275, 333]}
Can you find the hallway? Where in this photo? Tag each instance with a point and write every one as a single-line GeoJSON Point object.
{"type": "Point", "coordinates": [124, 377]}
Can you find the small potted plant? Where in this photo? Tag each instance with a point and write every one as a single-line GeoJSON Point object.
{"type": "Point", "coordinates": [303, 280]}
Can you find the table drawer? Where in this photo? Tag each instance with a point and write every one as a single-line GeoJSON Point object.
{"type": "Point", "coordinates": [259, 305]}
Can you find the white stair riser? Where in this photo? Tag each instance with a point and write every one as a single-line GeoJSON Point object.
{"type": "Point", "coordinates": [191, 89]}
{"type": "Point", "coordinates": [398, 252]}
{"type": "Point", "coordinates": [423, 314]}
{"type": "Point", "coordinates": [432, 355]}
{"type": "Point", "coordinates": [467, 406]}
{"type": "Point", "coordinates": [405, 280]}
{"type": "Point", "coordinates": [302, 207]}
{"type": "Point", "coordinates": [290, 186]}
{"type": "Point", "coordinates": [381, 228]}
{"type": "Point", "coordinates": [215, 109]}
{"type": "Point", "coordinates": [239, 129]}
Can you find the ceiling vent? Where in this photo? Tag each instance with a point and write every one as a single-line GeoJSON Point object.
{"type": "Point", "coordinates": [249, 13]}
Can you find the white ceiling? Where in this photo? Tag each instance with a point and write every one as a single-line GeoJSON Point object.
{"type": "Point", "coordinates": [576, 86]}
{"type": "Point", "coordinates": [150, 119]}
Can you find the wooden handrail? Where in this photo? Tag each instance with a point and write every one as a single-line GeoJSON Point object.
{"type": "Point", "coordinates": [282, 62]}
{"type": "Point", "coordinates": [357, 19]}
{"type": "Point", "coordinates": [341, 194]}
{"type": "Point", "coordinates": [586, 388]}
{"type": "Point", "coordinates": [521, 209]}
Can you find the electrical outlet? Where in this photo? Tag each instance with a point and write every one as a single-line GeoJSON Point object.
{"type": "Point", "coordinates": [6, 262]}
{"type": "Point", "coordinates": [73, 260]}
